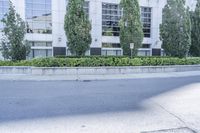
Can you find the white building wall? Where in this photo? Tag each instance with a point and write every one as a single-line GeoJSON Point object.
{"type": "Point", "coordinates": [58, 37]}
{"type": "Point", "coordinates": [58, 13]}
{"type": "Point", "coordinates": [95, 10]}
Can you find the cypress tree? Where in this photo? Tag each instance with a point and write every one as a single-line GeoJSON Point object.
{"type": "Point", "coordinates": [77, 28]}
{"type": "Point", "coordinates": [13, 45]}
{"type": "Point", "coordinates": [175, 30]}
{"type": "Point", "coordinates": [195, 18]}
{"type": "Point", "coordinates": [130, 26]}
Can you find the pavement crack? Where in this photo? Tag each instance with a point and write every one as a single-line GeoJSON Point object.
{"type": "Point", "coordinates": [174, 115]}
{"type": "Point", "coordinates": [177, 117]}
{"type": "Point", "coordinates": [173, 130]}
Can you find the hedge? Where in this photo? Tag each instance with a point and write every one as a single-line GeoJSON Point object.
{"type": "Point", "coordinates": [103, 61]}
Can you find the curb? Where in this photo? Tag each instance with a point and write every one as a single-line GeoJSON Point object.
{"type": "Point", "coordinates": [88, 78]}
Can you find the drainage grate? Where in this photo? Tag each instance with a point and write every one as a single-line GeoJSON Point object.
{"type": "Point", "coordinates": [177, 130]}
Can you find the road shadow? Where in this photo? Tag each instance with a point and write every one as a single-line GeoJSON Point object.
{"type": "Point", "coordinates": [26, 100]}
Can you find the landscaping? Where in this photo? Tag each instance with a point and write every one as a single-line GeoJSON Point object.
{"type": "Point", "coordinates": [97, 61]}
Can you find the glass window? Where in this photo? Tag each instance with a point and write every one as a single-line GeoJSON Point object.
{"type": "Point", "coordinates": [111, 52]}
{"type": "Point", "coordinates": [39, 16]}
{"type": "Point", "coordinates": [111, 15]}
{"type": "Point", "coordinates": [86, 7]}
{"type": "Point", "coordinates": [40, 53]}
{"type": "Point", "coordinates": [41, 44]}
{"type": "Point", "coordinates": [146, 45]}
{"type": "Point", "coordinates": [111, 45]}
{"type": "Point", "coordinates": [40, 49]}
{"type": "Point", "coordinates": [143, 52]}
{"type": "Point", "coordinates": [4, 5]}
{"type": "Point", "coordinates": [146, 21]}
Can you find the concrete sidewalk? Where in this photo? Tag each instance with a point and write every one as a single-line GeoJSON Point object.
{"type": "Point", "coordinates": [24, 77]}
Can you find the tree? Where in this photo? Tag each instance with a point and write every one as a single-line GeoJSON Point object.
{"type": "Point", "coordinates": [13, 45]}
{"type": "Point", "coordinates": [175, 30]}
{"type": "Point", "coordinates": [77, 28]}
{"type": "Point", "coordinates": [130, 26]}
{"type": "Point", "coordinates": [195, 18]}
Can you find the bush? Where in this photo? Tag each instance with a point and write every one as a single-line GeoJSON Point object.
{"type": "Point", "coordinates": [97, 61]}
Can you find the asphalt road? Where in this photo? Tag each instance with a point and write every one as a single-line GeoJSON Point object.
{"type": "Point", "coordinates": [113, 106]}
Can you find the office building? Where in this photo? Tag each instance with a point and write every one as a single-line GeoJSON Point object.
{"type": "Point", "coordinates": [45, 25]}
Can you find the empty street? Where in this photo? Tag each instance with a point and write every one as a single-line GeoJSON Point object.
{"type": "Point", "coordinates": [113, 106]}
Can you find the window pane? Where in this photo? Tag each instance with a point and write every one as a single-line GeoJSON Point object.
{"type": "Point", "coordinates": [111, 45]}
{"type": "Point", "coordinates": [40, 49]}
{"type": "Point", "coordinates": [111, 15]}
{"type": "Point", "coordinates": [39, 16]}
{"type": "Point", "coordinates": [146, 20]}
{"type": "Point", "coordinates": [4, 5]}
{"type": "Point", "coordinates": [86, 7]}
{"type": "Point", "coordinates": [111, 52]}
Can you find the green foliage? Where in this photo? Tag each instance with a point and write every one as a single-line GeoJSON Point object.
{"type": "Point", "coordinates": [175, 29]}
{"type": "Point", "coordinates": [102, 61]}
{"type": "Point", "coordinates": [77, 28]}
{"type": "Point", "coordinates": [13, 45]}
{"type": "Point", "coordinates": [195, 19]}
{"type": "Point", "coordinates": [130, 26]}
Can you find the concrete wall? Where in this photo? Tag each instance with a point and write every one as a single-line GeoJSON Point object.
{"type": "Point", "coordinates": [96, 70]}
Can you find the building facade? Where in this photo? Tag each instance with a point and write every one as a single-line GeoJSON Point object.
{"type": "Point", "coordinates": [45, 25]}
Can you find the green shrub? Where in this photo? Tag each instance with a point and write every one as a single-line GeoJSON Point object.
{"type": "Point", "coordinates": [6, 63]}
{"type": "Point", "coordinates": [136, 62]}
{"type": "Point", "coordinates": [97, 61]}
